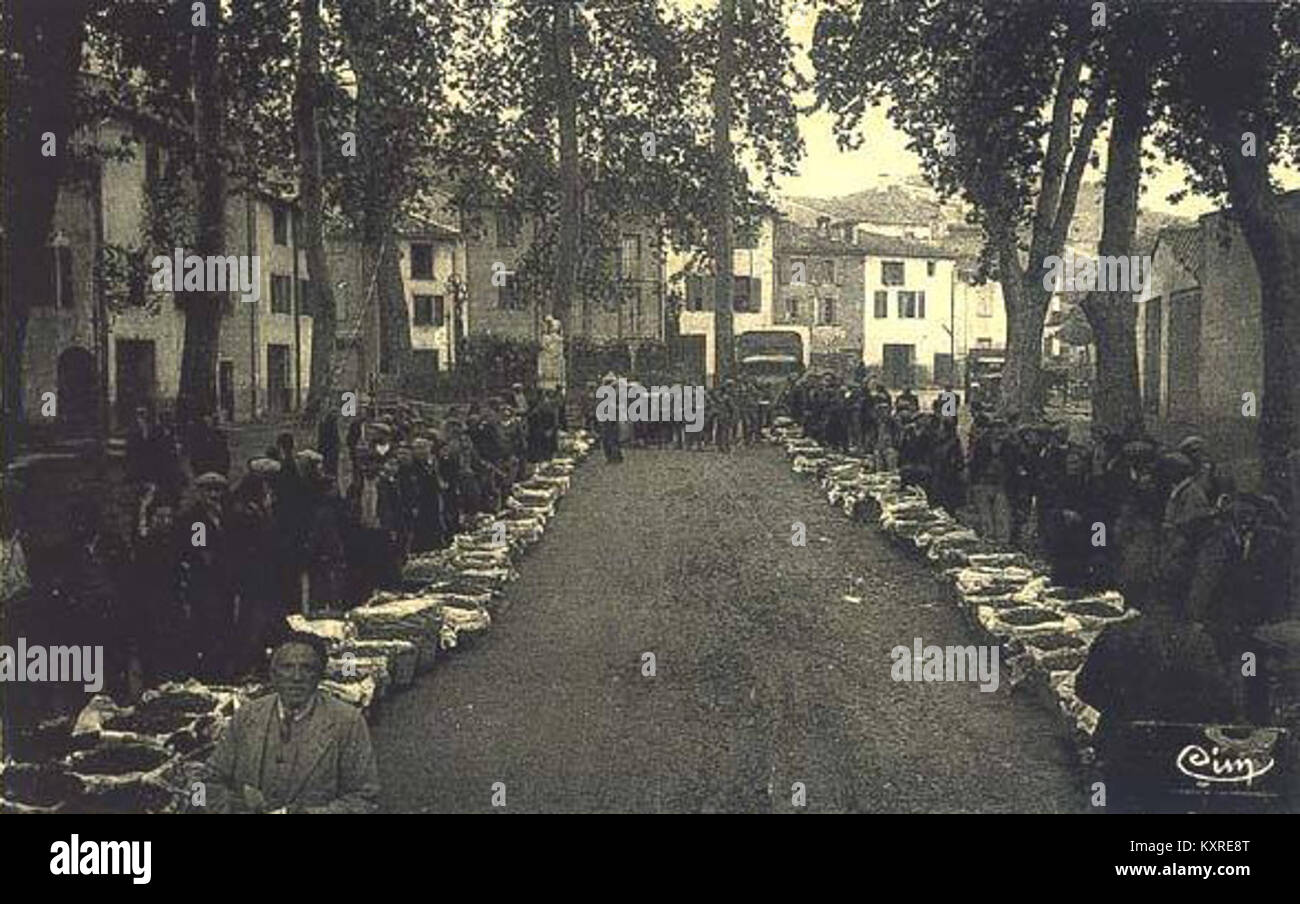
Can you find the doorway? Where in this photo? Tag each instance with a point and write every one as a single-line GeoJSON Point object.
{"type": "Point", "coordinates": [277, 379]}
{"type": "Point", "coordinates": [77, 395]}
{"type": "Point", "coordinates": [897, 363]}
{"type": "Point", "coordinates": [136, 376]}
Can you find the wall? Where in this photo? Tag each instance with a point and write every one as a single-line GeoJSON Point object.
{"type": "Point", "coordinates": [897, 230]}
{"type": "Point", "coordinates": [1232, 341]}
{"type": "Point", "coordinates": [927, 334]}
{"type": "Point", "coordinates": [1168, 278]}
{"type": "Point", "coordinates": [445, 259]}
{"type": "Point", "coordinates": [971, 324]}
{"type": "Point", "coordinates": [255, 319]}
{"type": "Point", "coordinates": [51, 327]}
{"type": "Point", "coordinates": [616, 320]}
{"type": "Point", "coordinates": [844, 335]}
{"type": "Point", "coordinates": [757, 263]}
{"type": "Point", "coordinates": [481, 252]}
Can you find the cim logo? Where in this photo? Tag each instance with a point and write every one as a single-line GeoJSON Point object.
{"type": "Point", "coordinates": [1223, 766]}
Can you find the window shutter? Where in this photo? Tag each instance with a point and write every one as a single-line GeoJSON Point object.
{"type": "Point", "coordinates": [65, 271]}
{"type": "Point", "coordinates": [54, 276]}
{"type": "Point", "coordinates": [920, 304]}
{"type": "Point", "coordinates": [755, 294]}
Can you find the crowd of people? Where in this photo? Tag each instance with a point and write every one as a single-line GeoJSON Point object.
{"type": "Point", "coordinates": [213, 561]}
{"type": "Point", "coordinates": [735, 411]}
{"type": "Point", "coordinates": [1205, 563]}
{"type": "Point", "coordinates": [1118, 510]}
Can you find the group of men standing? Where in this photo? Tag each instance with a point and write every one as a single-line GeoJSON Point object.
{"type": "Point", "coordinates": [844, 415]}
{"type": "Point", "coordinates": [736, 410]}
{"type": "Point", "coordinates": [201, 578]}
{"type": "Point", "coordinates": [1115, 511]}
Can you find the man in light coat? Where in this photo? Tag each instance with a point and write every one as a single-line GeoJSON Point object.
{"type": "Point", "coordinates": [297, 750]}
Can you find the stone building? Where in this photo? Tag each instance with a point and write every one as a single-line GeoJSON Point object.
{"type": "Point", "coordinates": [120, 342]}
{"type": "Point", "coordinates": [496, 244]}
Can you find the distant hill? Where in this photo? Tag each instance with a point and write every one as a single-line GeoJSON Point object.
{"type": "Point", "coordinates": [906, 201]}
{"type": "Point", "coordinates": [913, 201]}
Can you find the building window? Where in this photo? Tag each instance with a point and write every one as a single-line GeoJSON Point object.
{"type": "Point", "coordinates": [633, 294]}
{"type": "Point", "coordinates": [929, 268]}
{"type": "Point", "coordinates": [421, 310]}
{"type": "Point", "coordinates": [61, 283]}
{"type": "Point", "coordinates": [792, 309]}
{"type": "Point", "coordinates": [695, 293]}
{"type": "Point", "coordinates": [891, 273]}
{"type": "Point", "coordinates": [439, 310]}
{"type": "Point", "coordinates": [798, 271]}
{"type": "Point", "coordinates": [304, 300]}
{"type": "Point", "coordinates": [920, 305]}
{"type": "Point", "coordinates": [421, 260]}
{"type": "Point", "coordinates": [742, 296]}
{"type": "Point", "coordinates": [984, 306]}
{"type": "Point", "coordinates": [907, 305]}
{"type": "Point", "coordinates": [826, 272]}
{"type": "Point", "coordinates": [508, 294]}
{"type": "Point", "coordinates": [881, 304]}
{"type": "Point", "coordinates": [828, 311]}
{"type": "Point", "coordinates": [508, 226]}
{"type": "Point", "coordinates": [280, 224]}
{"type": "Point", "coordinates": [984, 342]}
{"type": "Point", "coordinates": [281, 287]}
{"type": "Point", "coordinates": [629, 258]}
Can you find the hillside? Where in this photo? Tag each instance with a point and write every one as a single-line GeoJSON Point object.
{"type": "Point", "coordinates": [912, 201]}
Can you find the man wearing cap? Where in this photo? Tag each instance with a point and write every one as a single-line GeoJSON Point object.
{"type": "Point", "coordinates": [207, 446]}
{"type": "Point", "coordinates": [988, 481]}
{"type": "Point", "coordinates": [324, 554]}
{"type": "Point", "coordinates": [253, 552]}
{"type": "Point", "coordinates": [948, 464]}
{"type": "Point", "coordinates": [514, 433]}
{"type": "Point", "coordinates": [518, 400]}
{"type": "Point", "coordinates": [914, 451]}
{"type": "Point", "coordinates": [448, 466]}
{"type": "Point", "coordinates": [1136, 536]}
{"type": "Point", "coordinates": [609, 428]}
{"type": "Point", "coordinates": [408, 494]}
{"type": "Point", "coordinates": [205, 586]}
{"type": "Point", "coordinates": [374, 518]}
{"type": "Point", "coordinates": [380, 437]}
{"type": "Point", "coordinates": [1190, 502]}
{"type": "Point", "coordinates": [907, 400]}
{"type": "Point", "coordinates": [428, 489]}
{"type": "Point", "coordinates": [489, 442]}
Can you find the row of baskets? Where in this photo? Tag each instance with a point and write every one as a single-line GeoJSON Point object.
{"type": "Point", "coordinates": [1045, 630]}
{"type": "Point", "coordinates": [149, 757]}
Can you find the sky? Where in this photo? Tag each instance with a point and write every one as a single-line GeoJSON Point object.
{"type": "Point", "coordinates": [827, 172]}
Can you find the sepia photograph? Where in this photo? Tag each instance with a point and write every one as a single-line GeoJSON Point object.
{"type": "Point", "coordinates": [651, 407]}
